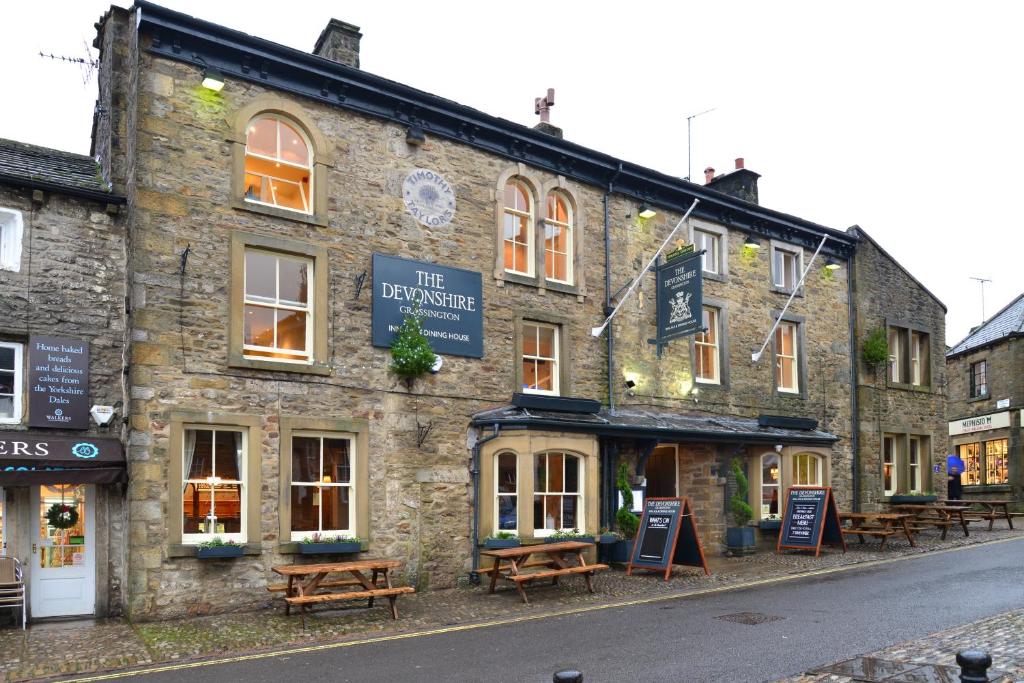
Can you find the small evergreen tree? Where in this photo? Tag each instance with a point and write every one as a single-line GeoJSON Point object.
{"type": "Point", "coordinates": [411, 355]}
{"type": "Point", "coordinates": [625, 517]}
{"type": "Point", "coordinates": [875, 348]}
{"type": "Point", "coordinates": [741, 511]}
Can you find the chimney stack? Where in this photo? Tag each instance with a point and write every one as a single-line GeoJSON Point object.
{"type": "Point", "coordinates": [542, 106]}
{"type": "Point", "coordinates": [741, 183]}
{"type": "Point", "coordinates": [339, 42]}
{"type": "Point", "coordinates": [739, 163]}
{"type": "Point", "coordinates": [709, 175]}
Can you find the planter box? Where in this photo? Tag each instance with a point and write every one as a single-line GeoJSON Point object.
{"type": "Point", "coordinates": [621, 551]}
{"type": "Point", "coordinates": [608, 539]}
{"type": "Point", "coordinates": [912, 500]}
{"type": "Point", "coordinates": [495, 543]}
{"type": "Point", "coordinates": [740, 540]}
{"type": "Point", "coordinates": [327, 548]}
{"type": "Point", "coordinates": [219, 551]}
{"type": "Point", "coordinates": [581, 539]}
{"type": "Point", "coordinates": [770, 524]}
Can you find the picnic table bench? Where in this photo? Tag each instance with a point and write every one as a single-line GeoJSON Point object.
{"type": "Point", "coordinates": [924, 517]}
{"type": "Point", "coordinates": [934, 513]}
{"type": "Point", "coordinates": [305, 581]}
{"type": "Point", "coordinates": [563, 559]}
{"type": "Point", "coordinates": [877, 524]}
{"type": "Point", "coordinates": [990, 511]}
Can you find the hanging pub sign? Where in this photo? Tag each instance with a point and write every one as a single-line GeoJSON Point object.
{"type": "Point", "coordinates": [58, 382]}
{"type": "Point", "coordinates": [450, 301]}
{"type": "Point", "coordinates": [810, 519]}
{"type": "Point", "coordinates": [667, 535]}
{"type": "Point", "coordinates": [680, 297]}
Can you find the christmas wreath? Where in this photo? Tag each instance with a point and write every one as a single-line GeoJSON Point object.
{"type": "Point", "coordinates": [61, 516]}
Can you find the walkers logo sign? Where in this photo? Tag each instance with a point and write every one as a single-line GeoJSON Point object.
{"type": "Point", "coordinates": [58, 382]}
{"type": "Point", "coordinates": [450, 302]}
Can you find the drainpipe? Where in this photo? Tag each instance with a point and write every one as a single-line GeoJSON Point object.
{"type": "Point", "coordinates": [474, 576]}
{"type": "Point", "coordinates": [854, 407]}
{"type": "Point", "coordinates": [608, 291]}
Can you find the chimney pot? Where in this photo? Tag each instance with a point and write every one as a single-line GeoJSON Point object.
{"type": "Point", "coordinates": [739, 163]}
{"type": "Point", "coordinates": [339, 42]}
{"type": "Point", "coordinates": [709, 175]}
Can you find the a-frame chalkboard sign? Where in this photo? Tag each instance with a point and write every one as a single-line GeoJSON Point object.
{"type": "Point", "coordinates": [810, 520]}
{"type": "Point", "coordinates": [667, 536]}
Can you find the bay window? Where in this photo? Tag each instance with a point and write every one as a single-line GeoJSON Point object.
{"type": "Point", "coordinates": [213, 486]}
{"type": "Point", "coordinates": [506, 491]}
{"type": "Point", "coordinates": [806, 470]}
{"type": "Point", "coordinates": [322, 492]}
{"type": "Point", "coordinates": [557, 493]}
{"type": "Point", "coordinates": [770, 484]}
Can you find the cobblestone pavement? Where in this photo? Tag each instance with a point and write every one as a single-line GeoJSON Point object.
{"type": "Point", "coordinates": [61, 648]}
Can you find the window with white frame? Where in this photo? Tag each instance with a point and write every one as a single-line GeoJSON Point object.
{"type": "Point", "coordinates": [322, 491]}
{"type": "Point", "coordinates": [770, 486]}
{"type": "Point", "coordinates": [787, 376]}
{"type": "Point", "coordinates": [806, 470]}
{"type": "Point", "coordinates": [557, 493]}
{"type": "Point", "coordinates": [518, 228]}
{"type": "Point", "coordinates": [540, 358]}
{"type": "Point", "coordinates": [786, 267]}
{"type": "Point", "coordinates": [506, 487]}
{"type": "Point", "coordinates": [970, 453]}
{"type": "Point", "coordinates": [914, 465]}
{"type": "Point", "coordinates": [711, 243]}
{"type": "Point", "coordinates": [997, 469]}
{"type": "Point", "coordinates": [707, 368]}
{"type": "Point", "coordinates": [895, 354]}
{"type": "Point", "coordinates": [11, 226]}
{"type": "Point", "coordinates": [278, 164]}
{"type": "Point", "coordinates": [278, 306]}
{"type": "Point", "coordinates": [979, 379]}
{"type": "Point", "coordinates": [908, 357]}
{"type": "Point", "coordinates": [213, 488]}
{"type": "Point", "coordinates": [890, 470]}
{"type": "Point", "coordinates": [918, 353]}
{"type": "Point", "coordinates": [558, 237]}
{"type": "Point", "coordinates": [11, 379]}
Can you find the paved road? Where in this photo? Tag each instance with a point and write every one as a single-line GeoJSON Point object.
{"type": "Point", "coordinates": [818, 620]}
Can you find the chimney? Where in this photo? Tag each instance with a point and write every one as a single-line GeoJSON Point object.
{"type": "Point", "coordinates": [741, 183]}
{"type": "Point", "coordinates": [542, 107]}
{"type": "Point", "coordinates": [339, 42]}
{"type": "Point", "coordinates": [739, 163]}
{"type": "Point", "coordinates": [709, 175]}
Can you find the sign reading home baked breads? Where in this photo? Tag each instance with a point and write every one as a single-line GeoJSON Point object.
{"type": "Point", "coordinates": [58, 382]}
{"type": "Point", "coordinates": [667, 535]}
{"type": "Point", "coordinates": [810, 519]}
{"type": "Point", "coordinates": [450, 301]}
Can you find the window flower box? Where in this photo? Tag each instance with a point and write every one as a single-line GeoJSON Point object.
{"type": "Point", "coordinates": [218, 549]}
{"type": "Point", "coordinates": [562, 536]}
{"type": "Point", "coordinates": [327, 545]}
{"type": "Point", "coordinates": [607, 538]}
{"type": "Point", "coordinates": [495, 543]}
{"type": "Point", "coordinates": [912, 498]}
{"type": "Point", "coordinates": [770, 524]}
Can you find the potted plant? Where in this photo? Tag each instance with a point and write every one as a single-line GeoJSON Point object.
{"type": "Point", "coordinates": [739, 538]}
{"type": "Point", "coordinates": [571, 535]}
{"type": "Point", "coordinates": [625, 518]}
{"type": "Point", "coordinates": [319, 544]}
{"type": "Point", "coordinates": [217, 547]}
{"type": "Point", "coordinates": [919, 498]}
{"type": "Point", "coordinates": [606, 536]}
{"type": "Point", "coordinates": [502, 539]}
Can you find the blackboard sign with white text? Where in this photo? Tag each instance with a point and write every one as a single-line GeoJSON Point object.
{"type": "Point", "coordinates": [810, 519]}
{"type": "Point", "coordinates": [450, 301]}
{"type": "Point", "coordinates": [58, 383]}
{"type": "Point", "coordinates": [680, 297]}
{"type": "Point", "coordinates": [667, 535]}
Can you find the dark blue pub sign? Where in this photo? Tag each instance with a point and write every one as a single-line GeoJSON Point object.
{"type": "Point", "coordinates": [680, 294]}
{"type": "Point", "coordinates": [450, 303]}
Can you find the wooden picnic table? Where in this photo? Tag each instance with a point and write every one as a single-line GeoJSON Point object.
{"type": "Point", "coordinates": [935, 513]}
{"type": "Point", "coordinates": [563, 559]}
{"type": "Point", "coordinates": [305, 581]}
{"type": "Point", "coordinates": [991, 513]}
{"type": "Point", "coordinates": [880, 524]}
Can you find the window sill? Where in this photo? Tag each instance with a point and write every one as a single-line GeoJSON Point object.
{"type": "Point", "coordinates": [717, 277]}
{"type": "Point", "coordinates": [920, 389]}
{"type": "Point", "coordinates": [978, 399]}
{"type": "Point", "coordinates": [534, 281]}
{"type": "Point", "coordinates": [310, 219]}
{"type": "Point", "coordinates": [791, 394]}
{"type": "Point", "coordinates": [786, 290]}
{"type": "Point", "coordinates": [181, 550]}
{"type": "Point", "coordinates": [237, 360]}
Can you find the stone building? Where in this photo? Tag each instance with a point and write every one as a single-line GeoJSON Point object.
{"type": "Point", "coordinates": [285, 210]}
{"type": "Point", "coordinates": [901, 402]}
{"type": "Point", "coordinates": [986, 400]}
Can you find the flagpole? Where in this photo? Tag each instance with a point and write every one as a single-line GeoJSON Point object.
{"type": "Point", "coordinates": [596, 331]}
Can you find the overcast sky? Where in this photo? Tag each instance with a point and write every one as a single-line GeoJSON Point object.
{"type": "Point", "coordinates": [904, 118]}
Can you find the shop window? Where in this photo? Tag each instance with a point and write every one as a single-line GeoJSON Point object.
{"type": "Point", "coordinates": [711, 261]}
{"type": "Point", "coordinates": [806, 470]}
{"type": "Point", "coordinates": [278, 165]}
{"type": "Point", "coordinates": [558, 239]}
{"type": "Point", "coordinates": [11, 379]}
{"type": "Point", "coordinates": [970, 453]}
{"type": "Point", "coordinates": [278, 307]}
{"type": "Point", "coordinates": [787, 264]}
{"type": "Point", "coordinates": [979, 379]}
{"type": "Point", "coordinates": [540, 358]}
{"type": "Point", "coordinates": [506, 491]}
{"type": "Point", "coordinates": [213, 487]}
{"type": "Point", "coordinates": [557, 493]}
{"type": "Point", "coordinates": [706, 349]}
{"type": "Point", "coordinates": [518, 228]}
{"type": "Point", "coordinates": [322, 491]}
{"type": "Point", "coordinates": [11, 226]}
{"type": "Point", "coordinates": [770, 486]}
{"type": "Point", "coordinates": [787, 375]}
{"type": "Point", "coordinates": [914, 465]}
{"type": "Point", "coordinates": [908, 357]}
{"type": "Point", "coordinates": [996, 467]}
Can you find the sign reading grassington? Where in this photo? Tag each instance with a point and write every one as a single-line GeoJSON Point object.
{"type": "Point", "coordinates": [680, 297]}
{"type": "Point", "coordinates": [450, 301]}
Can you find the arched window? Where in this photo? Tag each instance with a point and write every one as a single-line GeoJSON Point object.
{"type": "Point", "coordinates": [558, 236]}
{"type": "Point", "coordinates": [557, 493]}
{"type": "Point", "coordinates": [806, 470]}
{"type": "Point", "coordinates": [278, 164]}
{"type": "Point", "coordinates": [518, 228]}
{"type": "Point", "coordinates": [770, 486]}
{"type": "Point", "coordinates": [506, 490]}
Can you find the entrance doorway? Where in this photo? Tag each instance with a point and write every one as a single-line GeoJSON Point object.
{"type": "Point", "coordinates": [662, 472]}
{"type": "Point", "coordinates": [63, 565]}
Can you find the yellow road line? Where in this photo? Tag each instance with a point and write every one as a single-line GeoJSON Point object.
{"type": "Point", "coordinates": [528, 617]}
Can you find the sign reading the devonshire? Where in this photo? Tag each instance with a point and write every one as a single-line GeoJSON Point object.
{"type": "Point", "coordinates": [680, 295]}
{"type": "Point", "coordinates": [810, 519]}
{"type": "Point", "coordinates": [58, 382]}
{"type": "Point", "coordinates": [450, 301]}
{"type": "Point", "coordinates": [667, 536]}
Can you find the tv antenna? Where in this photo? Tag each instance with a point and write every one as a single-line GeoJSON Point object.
{"type": "Point", "coordinates": [982, 281]}
{"type": "Point", "coordinates": [689, 121]}
{"type": "Point", "coordinates": [87, 63]}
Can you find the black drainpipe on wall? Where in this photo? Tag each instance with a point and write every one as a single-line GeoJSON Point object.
{"type": "Point", "coordinates": [854, 407]}
{"type": "Point", "coordinates": [608, 291]}
{"type": "Point", "coordinates": [474, 576]}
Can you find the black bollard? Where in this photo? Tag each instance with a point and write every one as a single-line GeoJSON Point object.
{"type": "Point", "coordinates": [974, 666]}
{"type": "Point", "coordinates": [567, 676]}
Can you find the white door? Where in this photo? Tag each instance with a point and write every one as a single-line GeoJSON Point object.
{"type": "Point", "coordinates": [63, 565]}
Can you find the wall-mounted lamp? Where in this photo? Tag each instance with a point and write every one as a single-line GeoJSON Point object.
{"type": "Point", "coordinates": [778, 448]}
{"type": "Point", "coordinates": [751, 243]}
{"type": "Point", "coordinates": [213, 79]}
{"type": "Point", "coordinates": [831, 264]}
{"type": "Point", "coordinates": [630, 385]}
{"type": "Point", "coordinates": [646, 211]}
{"type": "Point", "coordinates": [414, 136]}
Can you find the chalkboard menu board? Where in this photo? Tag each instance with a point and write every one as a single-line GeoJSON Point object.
{"type": "Point", "coordinates": [58, 382]}
{"type": "Point", "coordinates": [667, 535]}
{"type": "Point", "coordinates": [811, 519]}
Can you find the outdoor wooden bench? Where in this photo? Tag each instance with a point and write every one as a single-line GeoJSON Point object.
{"type": "Point", "coordinates": [877, 525]}
{"type": "Point", "coordinates": [993, 510]}
{"type": "Point", "coordinates": [564, 559]}
{"type": "Point", "coordinates": [305, 582]}
{"type": "Point", "coordinates": [937, 515]}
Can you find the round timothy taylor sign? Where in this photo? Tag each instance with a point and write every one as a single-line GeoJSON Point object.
{"type": "Point", "coordinates": [429, 198]}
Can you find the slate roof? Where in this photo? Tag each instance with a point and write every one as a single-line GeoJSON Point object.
{"type": "Point", "coordinates": [1006, 323]}
{"type": "Point", "coordinates": [644, 423]}
{"type": "Point", "coordinates": [40, 165]}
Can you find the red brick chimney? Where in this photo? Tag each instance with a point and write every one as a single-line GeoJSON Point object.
{"type": "Point", "coordinates": [739, 163]}
{"type": "Point", "coordinates": [709, 175]}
